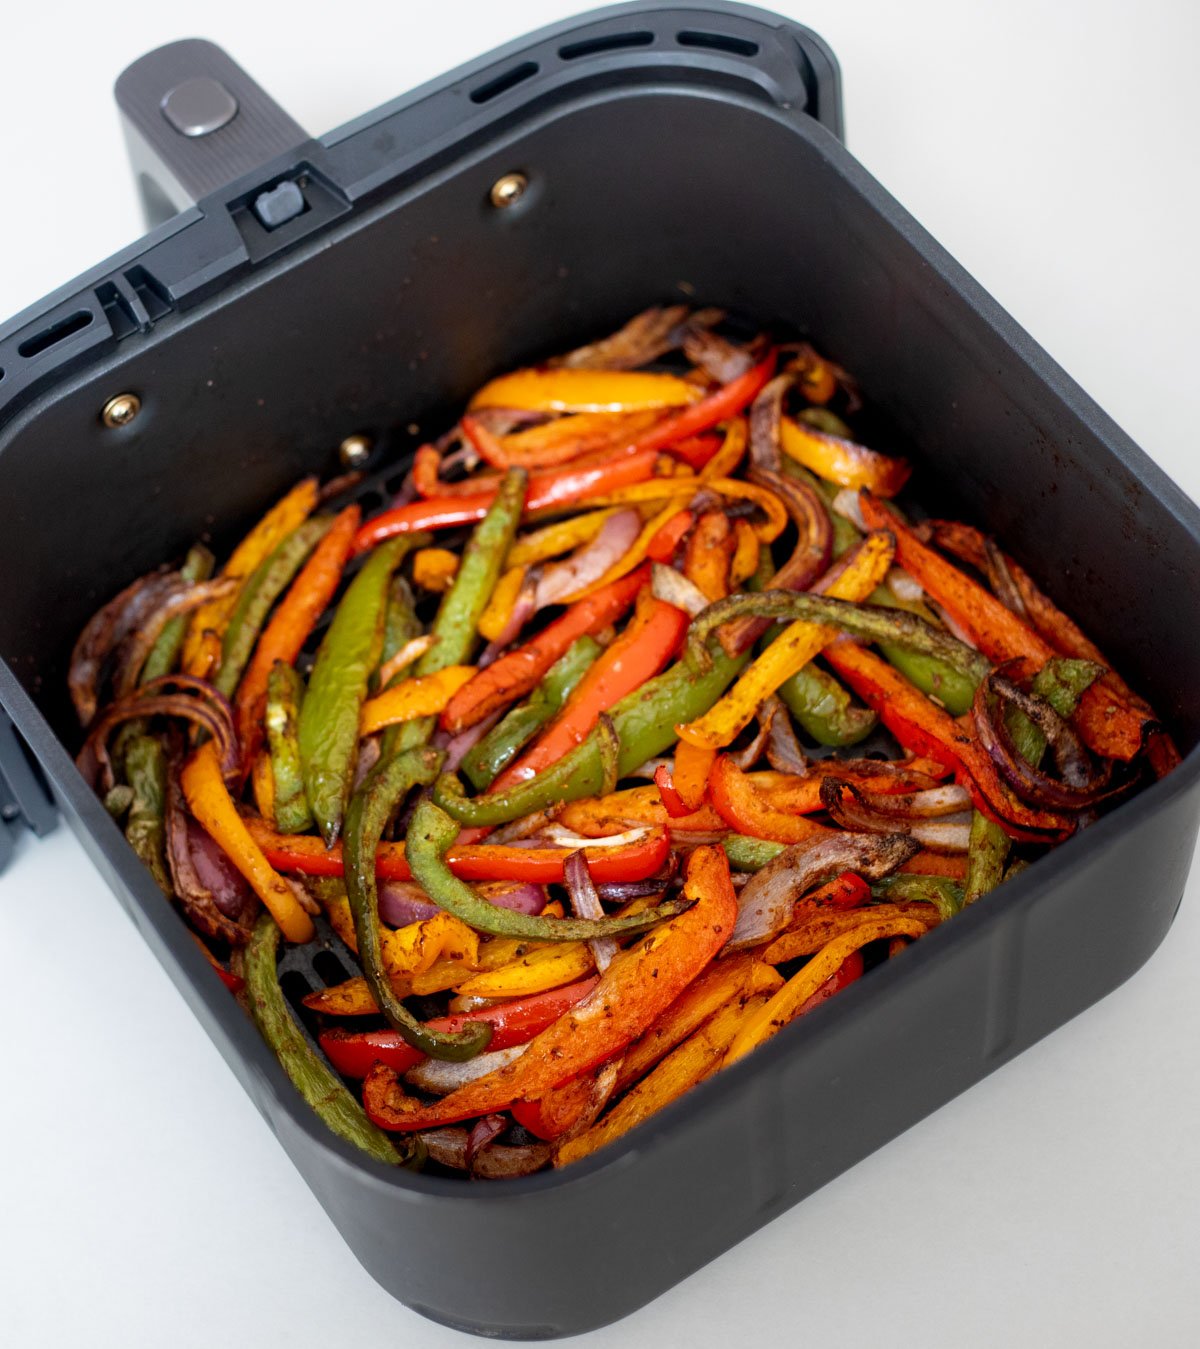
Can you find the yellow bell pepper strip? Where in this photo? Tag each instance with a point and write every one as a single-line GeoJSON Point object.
{"type": "Point", "coordinates": [262, 784]}
{"type": "Point", "coordinates": [328, 727]}
{"type": "Point", "coordinates": [209, 801]}
{"type": "Point", "coordinates": [563, 536]}
{"type": "Point", "coordinates": [730, 980]}
{"type": "Point", "coordinates": [601, 816]}
{"type": "Point", "coordinates": [790, 652]}
{"type": "Point", "coordinates": [431, 832]}
{"type": "Point", "coordinates": [632, 993]}
{"type": "Point", "coordinates": [730, 454]}
{"type": "Point", "coordinates": [420, 696]}
{"type": "Point", "coordinates": [816, 930]}
{"type": "Point", "coordinates": [536, 972]}
{"type": "Point", "coordinates": [410, 950]}
{"type": "Point", "coordinates": [434, 568]}
{"type": "Point", "coordinates": [842, 461]}
{"type": "Point", "coordinates": [634, 555]}
{"type": "Point", "coordinates": [1108, 727]}
{"type": "Point", "coordinates": [586, 391]}
{"type": "Point", "coordinates": [770, 1019]}
{"type": "Point", "coordinates": [745, 554]}
{"type": "Point", "coordinates": [285, 516]}
{"type": "Point", "coordinates": [495, 616]}
{"type": "Point", "coordinates": [309, 1073]}
{"type": "Point", "coordinates": [691, 1063]}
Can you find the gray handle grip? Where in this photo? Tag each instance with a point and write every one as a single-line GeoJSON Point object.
{"type": "Point", "coordinates": [194, 121]}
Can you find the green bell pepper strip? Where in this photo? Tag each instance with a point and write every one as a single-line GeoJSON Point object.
{"type": "Point", "coordinates": [644, 722]}
{"type": "Point", "coordinates": [310, 1075]}
{"type": "Point", "coordinates": [432, 831]}
{"type": "Point", "coordinates": [824, 708]}
{"type": "Point", "coordinates": [1062, 682]}
{"type": "Point", "coordinates": [327, 728]}
{"type": "Point", "coordinates": [456, 627]}
{"type": "Point", "coordinates": [370, 808]}
{"type": "Point", "coordinates": [400, 626]}
{"type": "Point", "coordinates": [266, 584]}
{"type": "Point", "coordinates": [118, 800]}
{"type": "Point", "coordinates": [945, 894]}
{"type": "Point", "coordinates": [508, 737]}
{"type": "Point", "coordinates": [868, 622]}
{"type": "Point", "coordinates": [940, 679]}
{"type": "Point", "coordinates": [746, 853]}
{"type": "Point", "coordinates": [285, 693]}
{"type": "Point", "coordinates": [164, 654]}
{"type": "Point", "coordinates": [146, 770]}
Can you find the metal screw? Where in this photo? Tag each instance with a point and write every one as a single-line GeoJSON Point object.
{"type": "Point", "coordinates": [354, 451]}
{"type": "Point", "coordinates": [120, 410]}
{"type": "Point", "coordinates": [509, 190]}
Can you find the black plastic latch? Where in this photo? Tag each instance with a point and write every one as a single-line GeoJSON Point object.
{"type": "Point", "coordinates": [24, 797]}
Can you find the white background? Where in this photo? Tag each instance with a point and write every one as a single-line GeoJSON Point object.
{"type": "Point", "coordinates": [1053, 149]}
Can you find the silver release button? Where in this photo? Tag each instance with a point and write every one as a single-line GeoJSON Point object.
{"type": "Point", "coordinates": [199, 106]}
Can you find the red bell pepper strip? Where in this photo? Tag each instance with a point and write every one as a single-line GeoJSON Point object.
{"type": "Point", "coordinates": [632, 992]}
{"type": "Point", "coordinates": [718, 406]}
{"type": "Point", "coordinates": [850, 969]}
{"type": "Point", "coordinates": [672, 801]}
{"type": "Point", "coordinates": [545, 489]}
{"type": "Point", "coordinates": [695, 451]}
{"type": "Point", "coordinates": [661, 547]}
{"type": "Point", "coordinates": [306, 855]}
{"type": "Point", "coordinates": [552, 1114]}
{"type": "Point", "coordinates": [847, 891]}
{"type": "Point", "coordinates": [519, 671]}
{"type": "Point", "coordinates": [1108, 727]}
{"type": "Point", "coordinates": [748, 811]}
{"type": "Point", "coordinates": [637, 655]}
{"type": "Point", "coordinates": [353, 1053]}
{"type": "Point", "coordinates": [926, 729]}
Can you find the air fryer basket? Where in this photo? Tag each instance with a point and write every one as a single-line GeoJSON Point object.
{"type": "Point", "coordinates": [668, 151]}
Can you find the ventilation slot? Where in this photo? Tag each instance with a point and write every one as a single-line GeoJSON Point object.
{"type": "Point", "coordinates": [57, 332]}
{"type": "Point", "coordinates": [330, 968]}
{"type": "Point", "coordinates": [154, 298]}
{"type": "Point", "coordinates": [611, 43]}
{"type": "Point", "coordinates": [718, 42]}
{"type": "Point", "coordinates": [503, 83]}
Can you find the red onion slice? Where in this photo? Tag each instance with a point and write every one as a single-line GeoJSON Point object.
{"type": "Point", "coordinates": [586, 904]}
{"type": "Point", "coordinates": [439, 1077]}
{"type": "Point", "coordinates": [938, 819]}
{"type": "Point", "coordinates": [591, 562]}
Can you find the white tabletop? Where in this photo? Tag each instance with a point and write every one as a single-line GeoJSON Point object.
{"type": "Point", "coordinates": [1052, 148]}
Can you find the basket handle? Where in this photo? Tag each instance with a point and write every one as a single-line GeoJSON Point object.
{"type": "Point", "coordinates": [194, 121]}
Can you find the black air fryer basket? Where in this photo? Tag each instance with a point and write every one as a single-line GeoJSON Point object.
{"type": "Point", "coordinates": [298, 291]}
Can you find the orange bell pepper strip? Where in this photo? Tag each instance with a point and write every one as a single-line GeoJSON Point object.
{"type": "Point", "coordinates": [291, 625]}
{"type": "Point", "coordinates": [747, 811]}
{"type": "Point", "coordinates": [598, 816]}
{"type": "Point", "coordinates": [559, 488]}
{"type": "Point", "coordinates": [786, 1004]}
{"type": "Point", "coordinates": [638, 654]}
{"type": "Point", "coordinates": [209, 801]}
{"type": "Point", "coordinates": [306, 855]}
{"type": "Point", "coordinates": [816, 930]}
{"type": "Point", "coordinates": [745, 554]}
{"type": "Point", "coordinates": [729, 456]}
{"type": "Point", "coordinates": [732, 979]}
{"type": "Point", "coordinates": [842, 461]}
{"type": "Point", "coordinates": [936, 864]}
{"type": "Point", "coordinates": [632, 993]}
{"type": "Point", "coordinates": [420, 696]}
{"type": "Point", "coordinates": [517, 672]}
{"type": "Point", "coordinates": [791, 651]}
{"type": "Point", "coordinates": [1110, 728]}
{"type": "Point", "coordinates": [570, 390]}
{"type": "Point", "coordinates": [567, 438]}
{"type": "Point", "coordinates": [692, 768]}
{"type": "Point", "coordinates": [709, 555]}
{"type": "Point", "coordinates": [926, 729]}
{"type": "Point", "coordinates": [287, 513]}
{"type": "Point", "coordinates": [434, 568]}
{"type": "Point", "coordinates": [697, 1059]}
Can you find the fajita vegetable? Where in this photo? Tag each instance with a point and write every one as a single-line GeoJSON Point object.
{"type": "Point", "coordinates": [680, 729]}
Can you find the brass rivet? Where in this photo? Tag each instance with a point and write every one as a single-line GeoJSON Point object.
{"type": "Point", "coordinates": [509, 190]}
{"type": "Point", "coordinates": [354, 451]}
{"type": "Point", "coordinates": [120, 410]}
